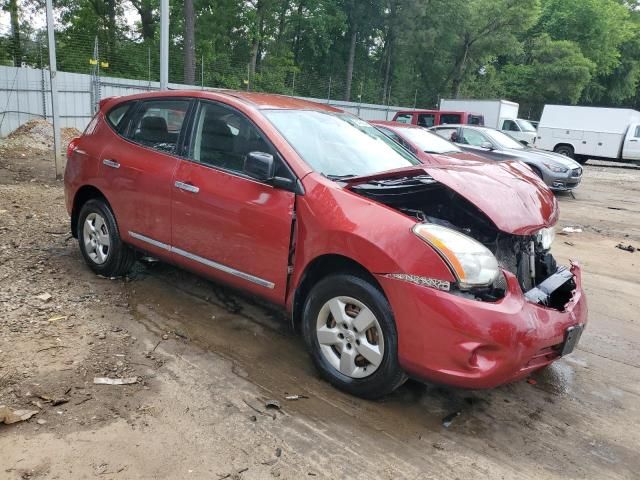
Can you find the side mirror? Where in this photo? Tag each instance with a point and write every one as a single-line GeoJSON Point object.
{"type": "Point", "coordinates": [486, 145]}
{"type": "Point", "coordinates": [259, 165]}
{"type": "Point", "coordinates": [524, 142]}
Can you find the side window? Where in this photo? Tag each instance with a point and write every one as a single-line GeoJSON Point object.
{"type": "Point", "coordinates": [115, 115]}
{"type": "Point", "coordinates": [510, 126]}
{"type": "Point", "coordinates": [426, 120]}
{"type": "Point", "coordinates": [637, 134]}
{"type": "Point", "coordinates": [404, 118]}
{"type": "Point", "coordinates": [158, 124]}
{"type": "Point", "coordinates": [450, 134]}
{"type": "Point", "coordinates": [449, 118]}
{"type": "Point", "coordinates": [473, 137]}
{"type": "Point", "coordinates": [475, 120]}
{"type": "Point", "coordinates": [223, 137]}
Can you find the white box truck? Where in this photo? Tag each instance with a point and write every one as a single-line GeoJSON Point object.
{"type": "Point", "coordinates": [500, 114]}
{"type": "Point", "coordinates": [590, 132]}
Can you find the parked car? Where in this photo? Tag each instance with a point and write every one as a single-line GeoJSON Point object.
{"type": "Point", "coordinates": [590, 132]}
{"type": "Point", "coordinates": [430, 118]}
{"type": "Point", "coordinates": [435, 151]}
{"type": "Point", "coordinates": [499, 114]}
{"type": "Point", "coordinates": [561, 173]}
{"type": "Point", "coordinates": [389, 269]}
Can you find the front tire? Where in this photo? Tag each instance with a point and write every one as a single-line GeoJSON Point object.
{"type": "Point", "coordinates": [350, 331]}
{"type": "Point", "coordinates": [100, 242]}
{"type": "Point", "coordinates": [566, 150]}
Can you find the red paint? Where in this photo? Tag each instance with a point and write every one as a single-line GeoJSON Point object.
{"type": "Point", "coordinates": [463, 118]}
{"type": "Point", "coordinates": [532, 205]}
{"type": "Point", "coordinates": [247, 225]}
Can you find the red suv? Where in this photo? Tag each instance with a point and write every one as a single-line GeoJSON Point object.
{"type": "Point", "coordinates": [431, 118]}
{"type": "Point", "coordinates": [387, 271]}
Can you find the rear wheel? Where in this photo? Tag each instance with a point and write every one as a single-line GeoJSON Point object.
{"type": "Point", "coordinates": [351, 334]}
{"type": "Point", "coordinates": [581, 159]}
{"type": "Point", "coordinates": [100, 242]}
{"type": "Point", "coordinates": [566, 150]}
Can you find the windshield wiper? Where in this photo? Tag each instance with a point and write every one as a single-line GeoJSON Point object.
{"type": "Point", "coordinates": [340, 177]}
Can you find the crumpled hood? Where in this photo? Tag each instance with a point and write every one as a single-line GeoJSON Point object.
{"type": "Point", "coordinates": [508, 192]}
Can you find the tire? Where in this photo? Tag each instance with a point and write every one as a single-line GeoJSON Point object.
{"type": "Point", "coordinates": [566, 150]}
{"type": "Point", "coordinates": [100, 243]}
{"type": "Point", "coordinates": [351, 295]}
{"type": "Point", "coordinates": [581, 159]}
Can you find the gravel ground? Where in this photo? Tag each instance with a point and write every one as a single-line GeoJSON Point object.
{"type": "Point", "coordinates": [206, 360]}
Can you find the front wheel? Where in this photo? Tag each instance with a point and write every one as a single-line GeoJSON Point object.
{"type": "Point", "coordinates": [566, 150]}
{"type": "Point", "coordinates": [100, 242]}
{"type": "Point", "coordinates": [350, 331]}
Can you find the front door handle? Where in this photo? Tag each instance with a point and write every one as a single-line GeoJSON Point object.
{"type": "Point", "coordinates": [633, 140]}
{"type": "Point", "coordinates": [110, 163]}
{"type": "Point", "coordinates": [187, 187]}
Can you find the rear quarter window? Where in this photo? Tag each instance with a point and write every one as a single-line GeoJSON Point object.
{"type": "Point", "coordinates": [117, 114]}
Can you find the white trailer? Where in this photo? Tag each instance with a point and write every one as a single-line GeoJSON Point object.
{"type": "Point", "coordinates": [590, 132]}
{"type": "Point", "coordinates": [500, 114]}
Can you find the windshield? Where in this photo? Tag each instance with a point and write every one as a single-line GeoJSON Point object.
{"type": "Point", "coordinates": [339, 144]}
{"type": "Point", "coordinates": [503, 140]}
{"type": "Point", "coordinates": [526, 125]}
{"type": "Point", "coordinates": [428, 142]}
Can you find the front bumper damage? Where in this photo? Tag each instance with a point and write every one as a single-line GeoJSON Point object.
{"type": "Point", "coordinates": [477, 344]}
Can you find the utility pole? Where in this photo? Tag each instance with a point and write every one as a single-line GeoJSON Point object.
{"type": "Point", "coordinates": [164, 44]}
{"type": "Point", "coordinates": [329, 94]}
{"type": "Point", "coordinates": [53, 70]}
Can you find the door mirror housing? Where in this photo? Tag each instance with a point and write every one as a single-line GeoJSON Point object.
{"type": "Point", "coordinates": [486, 145]}
{"type": "Point", "coordinates": [260, 165]}
{"type": "Point", "coordinates": [524, 142]}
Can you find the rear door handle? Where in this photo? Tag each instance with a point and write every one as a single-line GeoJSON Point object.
{"type": "Point", "coordinates": [187, 187]}
{"type": "Point", "coordinates": [633, 140]}
{"type": "Point", "coordinates": [110, 163]}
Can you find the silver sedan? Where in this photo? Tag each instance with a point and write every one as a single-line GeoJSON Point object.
{"type": "Point", "coordinates": [558, 172]}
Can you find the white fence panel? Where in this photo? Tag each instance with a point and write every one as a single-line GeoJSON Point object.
{"type": "Point", "coordinates": [25, 94]}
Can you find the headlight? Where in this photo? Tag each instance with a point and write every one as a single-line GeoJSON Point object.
{"type": "Point", "coordinates": [556, 168]}
{"type": "Point", "coordinates": [471, 262]}
{"type": "Point", "coordinates": [546, 236]}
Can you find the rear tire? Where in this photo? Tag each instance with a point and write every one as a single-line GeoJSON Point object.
{"type": "Point", "coordinates": [566, 150]}
{"type": "Point", "coordinates": [100, 242]}
{"type": "Point", "coordinates": [359, 350]}
{"type": "Point", "coordinates": [581, 159]}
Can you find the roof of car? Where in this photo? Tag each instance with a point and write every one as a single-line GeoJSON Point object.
{"type": "Point", "coordinates": [387, 123]}
{"type": "Point", "coordinates": [258, 100]}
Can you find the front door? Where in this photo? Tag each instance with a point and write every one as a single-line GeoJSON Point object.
{"type": "Point", "coordinates": [138, 170]}
{"type": "Point", "coordinates": [225, 224]}
{"type": "Point", "coordinates": [631, 147]}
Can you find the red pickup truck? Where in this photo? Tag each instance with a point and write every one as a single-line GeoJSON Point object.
{"type": "Point", "coordinates": [431, 118]}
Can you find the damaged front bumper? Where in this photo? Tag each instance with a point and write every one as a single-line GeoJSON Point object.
{"type": "Point", "coordinates": [473, 344]}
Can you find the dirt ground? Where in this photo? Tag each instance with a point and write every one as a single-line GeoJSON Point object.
{"type": "Point", "coordinates": [206, 360]}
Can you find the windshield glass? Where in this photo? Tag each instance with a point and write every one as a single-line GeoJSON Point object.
{"type": "Point", "coordinates": [339, 144]}
{"type": "Point", "coordinates": [503, 140]}
{"type": "Point", "coordinates": [427, 142]}
{"type": "Point", "coordinates": [526, 125]}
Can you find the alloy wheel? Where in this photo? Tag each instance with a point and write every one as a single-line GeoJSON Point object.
{"type": "Point", "coordinates": [350, 337]}
{"type": "Point", "coordinates": [97, 243]}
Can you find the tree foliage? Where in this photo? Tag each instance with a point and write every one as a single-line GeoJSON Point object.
{"type": "Point", "coordinates": [409, 52]}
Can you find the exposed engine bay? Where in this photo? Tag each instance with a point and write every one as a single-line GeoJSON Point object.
{"type": "Point", "coordinates": [429, 201]}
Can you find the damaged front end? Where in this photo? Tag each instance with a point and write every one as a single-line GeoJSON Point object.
{"type": "Point", "coordinates": [525, 255]}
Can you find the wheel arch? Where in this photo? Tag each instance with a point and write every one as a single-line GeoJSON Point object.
{"type": "Point", "coordinates": [317, 269]}
{"type": "Point", "coordinates": [82, 196]}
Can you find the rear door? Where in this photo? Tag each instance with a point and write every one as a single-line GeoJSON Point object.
{"type": "Point", "coordinates": [225, 224]}
{"type": "Point", "coordinates": [631, 147]}
{"type": "Point", "coordinates": [138, 169]}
